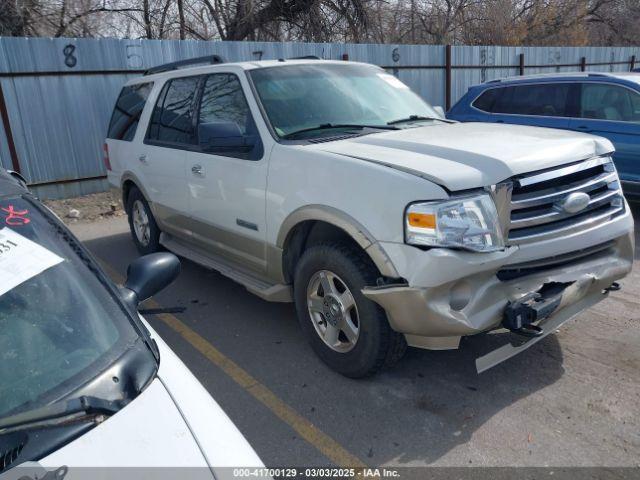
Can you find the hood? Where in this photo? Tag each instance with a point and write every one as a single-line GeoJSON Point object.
{"type": "Point", "coordinates": [461, 156]}
{"type": "Point", "coordinates": [150, 432]}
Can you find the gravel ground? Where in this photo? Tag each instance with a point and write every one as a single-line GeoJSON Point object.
{"type": "Point", "coordinates": [88, 208]}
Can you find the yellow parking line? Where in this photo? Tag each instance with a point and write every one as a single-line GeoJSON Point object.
{"type": "Point", "coordinates": [320, 440]}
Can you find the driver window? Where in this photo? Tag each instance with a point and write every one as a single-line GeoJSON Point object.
{"type": "Point", "coordinates": [225, 123]}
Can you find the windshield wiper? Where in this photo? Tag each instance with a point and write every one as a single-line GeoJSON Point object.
{"type": "Point", "coordinates": [59, 411]}
{"type": "Point", "coordinates": [327, 126]}
{"type": "Point", "coordinates": [415, 118]}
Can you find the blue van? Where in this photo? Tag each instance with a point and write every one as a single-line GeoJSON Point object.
{"type": "Point", "coordinates": [605, 104]}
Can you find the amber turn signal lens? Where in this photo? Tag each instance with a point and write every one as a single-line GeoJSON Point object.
{"type": "Point", "coordinates": [422, 220]}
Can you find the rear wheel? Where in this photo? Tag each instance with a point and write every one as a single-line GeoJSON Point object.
{"type": "Point", "coordinates": [144, 230]}
{"type": "Point", "coordinates": [349, 332]}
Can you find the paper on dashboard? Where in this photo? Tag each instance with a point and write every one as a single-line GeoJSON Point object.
{"type": "Point", "coordinates": [21, 259]}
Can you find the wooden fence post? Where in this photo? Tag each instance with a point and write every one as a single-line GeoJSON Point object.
{"type": "Point", "coordinates": [521, 64]}
{"type": "Point", "coordinates": [633, 62]}
{"type": "Point", "coordinates": [583, 64]}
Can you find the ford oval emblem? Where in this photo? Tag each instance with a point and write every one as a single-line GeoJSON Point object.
{"type": "Point", "coordinates": [575, 202]}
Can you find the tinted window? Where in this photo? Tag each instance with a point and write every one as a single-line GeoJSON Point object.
{"type": "Point", "coordinates": [172, 119]}
{"type": "Point", "coordinates": [546, 99]}
{"type": "Point", "coordinates": [127, 111]}
{"type": "Point", "coordinates": [225, 124]}
{"type": "Point", "coordinates": [609, 102]}
{"type": "Point", "coordinates": [486, 101]}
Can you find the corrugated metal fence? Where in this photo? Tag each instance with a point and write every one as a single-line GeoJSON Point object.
{"type": "Point", "coordinates": [58, 93]}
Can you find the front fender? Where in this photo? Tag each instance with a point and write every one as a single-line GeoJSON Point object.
{"type": "Point", "coordinates": [346, 223]}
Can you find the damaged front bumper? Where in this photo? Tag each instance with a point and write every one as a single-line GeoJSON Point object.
{"type": "Point", "coordinates": [450, 294]}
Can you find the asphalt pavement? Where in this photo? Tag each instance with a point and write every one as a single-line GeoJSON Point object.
{"type": "Point", "coordinates": [573, 399]}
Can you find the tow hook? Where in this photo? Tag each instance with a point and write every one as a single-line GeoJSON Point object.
{"type": "Point", "coordinates": [614, 287]}
{"type": "Point", "coordinates": [519, 316]}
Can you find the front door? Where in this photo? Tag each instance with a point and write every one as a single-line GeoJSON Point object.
{"type": "Point", "coordinates": [227, 176]}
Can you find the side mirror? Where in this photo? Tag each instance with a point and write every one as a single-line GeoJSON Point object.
{"type": "Point", "coordinates": [220, 137]}
{"type": "Point", "coordinates": [19, 177]}
{"type": "Point", "coordinates": [148, 275]}
{"type": "Point", "coordinates": [439, 110]}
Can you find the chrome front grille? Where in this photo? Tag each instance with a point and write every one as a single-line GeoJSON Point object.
{"type": "Point", "coordinates": [560, 201]}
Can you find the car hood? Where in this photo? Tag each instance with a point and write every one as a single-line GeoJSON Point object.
{"type": "Point", "coordinates": [461, 156]}
{"type": "Point", "coordinates": [149, 432]}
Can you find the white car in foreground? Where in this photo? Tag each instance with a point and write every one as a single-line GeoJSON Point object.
{"type": "Point", "coordinates": [331, 184]}
{"type": "Point", "coordinates": [87, 389]}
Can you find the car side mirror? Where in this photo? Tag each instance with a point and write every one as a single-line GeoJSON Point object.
{"type": "Point", "coordinates": [223, 136]}
{"type": "Point", "coordinates": [148, 275]}
{"type": "Point", "coordinates": [439, 110]}
{"type": "Point", "coordinates": [18, 177]}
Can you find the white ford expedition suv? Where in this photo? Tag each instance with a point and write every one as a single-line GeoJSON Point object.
{"type": "Point", "coordinates": [331, 184]}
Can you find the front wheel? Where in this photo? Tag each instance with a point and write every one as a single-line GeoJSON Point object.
{"type": "Point", "coordinates": [349, 332]}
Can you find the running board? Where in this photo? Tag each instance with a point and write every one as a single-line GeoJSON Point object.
{"type": "Point", "coordinates": [266, 291]}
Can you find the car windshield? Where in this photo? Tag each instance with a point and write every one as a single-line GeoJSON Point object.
{"type": "Point", "coordinates": [303, 97]}
{"type": "Point", "coordinates": [60, 326]}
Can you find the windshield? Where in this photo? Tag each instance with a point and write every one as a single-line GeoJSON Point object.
{"type": "Point", "coordinates": [300, 97]}
{"type": "Point", "coordinates": [60, 326]}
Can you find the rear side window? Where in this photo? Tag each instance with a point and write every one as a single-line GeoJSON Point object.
{"type": "Point", "coordinates": [546, 99]}
{"type": "Point", "coordinates": [172, 119]}
{"type": "Point", "coordinates": [126, 114]}
{"type": "Point", "coordinates": [486, 101]}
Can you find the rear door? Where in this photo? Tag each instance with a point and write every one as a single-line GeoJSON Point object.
{"type": "Point", "coordinates": [227, 175]}
{"type": "Point", "coordinates": [537, 104]}
{"type": "Point", "coordinates": [613, 111]}
{"type": "Point", "coordinates": [170, 135]}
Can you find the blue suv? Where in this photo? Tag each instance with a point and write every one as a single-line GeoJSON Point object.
{"type": "Point", "coordinates": [605, 104]}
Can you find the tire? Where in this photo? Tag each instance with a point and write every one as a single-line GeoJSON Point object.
{"type": "Point", "coordinates": [147, 239]}
{"type": "Point", "coordinates": [353, 354]}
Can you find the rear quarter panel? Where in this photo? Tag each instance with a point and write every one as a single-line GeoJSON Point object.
{"type": "Point", "coordinates": [462, 111]}
{"type": "Point", "coordinates": [123, 154]}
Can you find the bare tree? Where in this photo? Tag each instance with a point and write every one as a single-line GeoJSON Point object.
{"type": "Point", "coordinates": [475, 22]}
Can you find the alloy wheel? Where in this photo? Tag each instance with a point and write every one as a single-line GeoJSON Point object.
{"type": "Point", "coordinates": [333, 311]}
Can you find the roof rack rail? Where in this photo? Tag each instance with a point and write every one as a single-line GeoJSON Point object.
{"type": "Point", "coordinates": [306, 57]}
{"type": "Point", "coordinates": [166, 67]}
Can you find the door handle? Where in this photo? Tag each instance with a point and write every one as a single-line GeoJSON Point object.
{"type": "Point", "coordinates": [143, 159]}
{"type": "Point", "coordinates": [197, 170]}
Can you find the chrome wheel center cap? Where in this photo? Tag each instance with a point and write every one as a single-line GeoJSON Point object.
{"type": "Point", "coordinates": [332, 310]}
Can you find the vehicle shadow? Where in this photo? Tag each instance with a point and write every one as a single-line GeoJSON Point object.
{"type": "Point", "coordinates": [414, 412]}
